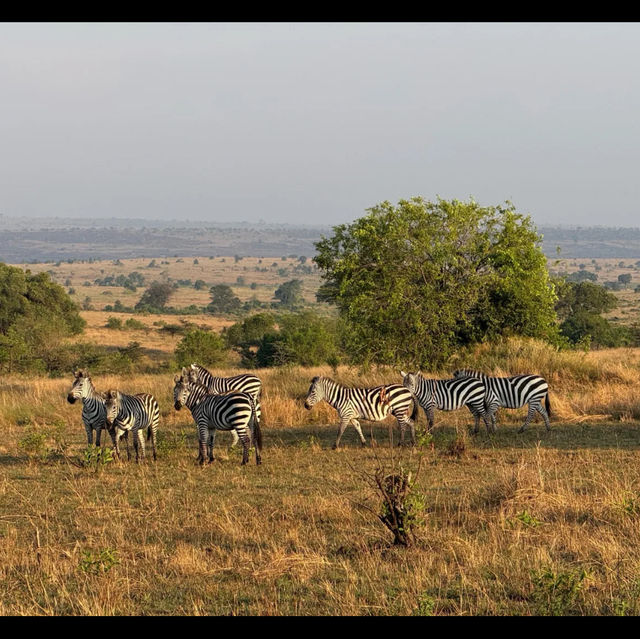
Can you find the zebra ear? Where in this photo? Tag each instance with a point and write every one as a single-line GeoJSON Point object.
{"type": "Point", "coordinates": [194, 366]}
{"type": "Point", "coordinates": [403, 374]}
{"type": "Point", "coordinates": [76, 374]}
{"type": "Point", "coordinates": [177, 378]}
{"type": "Point", "coordinates": [192, 376]}
{"type": "Point", "coordinates": [315, 379]}
{"type": "Point", "coordinates": [112, 394]}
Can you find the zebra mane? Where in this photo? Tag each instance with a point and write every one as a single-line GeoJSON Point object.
{"type": "Point", "coordinates": [468, 372]}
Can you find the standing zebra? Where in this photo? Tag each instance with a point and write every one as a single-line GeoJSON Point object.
{"type": "Point", "coordinates": [515, 392]}
{"type": "Point", "coordinates": [373, 404]}
{"type": "Point", "coordinates": [132, 413]}
{"type": "Point", "coordinates": [245, 383]}
{"type": "Point", "coordinates": [449, 394]}
{"type": "Point", "coordinates": [93, 411]}
{"type": "Point", "coordinates": [233, 411]}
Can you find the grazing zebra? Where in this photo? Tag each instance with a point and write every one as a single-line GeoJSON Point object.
{"type": "Point", "coordinates": [246, 383]}
{"type": "Point", "coordinates": [233, 411]}
{"type": "Point", "coordinates": [449, 394]}
{"type": "Point", "coordinates": [93, 411]}
{"type": "Point", "coordinates": [515, 392]}
{"type": "Point", "coordinates": [132, 413]}
{"type": "Point", "coordinates": [373, 404]}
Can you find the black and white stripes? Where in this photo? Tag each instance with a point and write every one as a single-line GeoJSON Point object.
{"type": "Point", "coordinates": [133, 413]}
{"type": "Point", "coordinates": [372, 404]}
{"type": "Point", "coordinates": [515, 392]}
{"type": "Point", "coordinates": [93, 411]}
{"type": "Point", "coordinates": [449, 394]}
{"type": "Point", "coordinates": [234, 411]}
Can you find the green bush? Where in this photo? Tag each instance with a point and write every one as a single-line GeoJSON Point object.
{"type": "Point", "coordinates": [203, 347]}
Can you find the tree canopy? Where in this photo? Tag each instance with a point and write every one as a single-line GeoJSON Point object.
{"type": "Point", "coordinates": [223, 299]}
{"type": "Point", "coordinates": [35, 314]}
{"type": "Point", "coordinates": [415, 280]}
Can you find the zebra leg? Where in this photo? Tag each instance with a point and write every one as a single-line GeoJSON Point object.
{"type": "Point", "coordinates": [356, 425]}
{"type": "Point", "coordinates": [89, 432]}
{"type": "Point", "coordinates": [126, 439]}
{"type": "Point", "coordinates": [235, 438]}
{"type": "Point", "coordinates": [152, 434]}
{"type": "Point", "coordinates": [246, 444]}
{"type": "Point", "coordinates": [136, 443]}
{"type": "Point", "coordinates": [98, 435]}
{"type": "Point", "coordinates": [343, 425]}
{"type": "Point", "coordinates": [202, 451]}
{"type": "Point", "coordinates": [530, 416]}
{"type": "Point", "coordinates": [211, 442]}
{"type": "Point", "coordinates": [429, 412]}
{"type": "Point", "coordinates": [257, 444]}
{"type": "Point", "coordinates": [543, 411]}
{"type": "Point", "coordinates": [487, 423]}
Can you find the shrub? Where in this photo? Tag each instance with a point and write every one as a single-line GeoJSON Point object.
{"type": "Point", "coordinates": [204, 347]}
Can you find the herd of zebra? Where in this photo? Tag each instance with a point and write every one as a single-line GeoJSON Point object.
{"type": "Point", "coordinates": [233, 404]}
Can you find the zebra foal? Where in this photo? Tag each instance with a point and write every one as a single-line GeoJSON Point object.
{"type": "Point", "coordinates": [449, 394]}
{"type": "Point", "coordinates": [514, 392]}
{"type": "Point", "coordinates": [234, 411]}
{"type": "Point", "coordinates": [373, 404]}
{"type": "Point", "coordinates": [94, 415]}
{"type": "Point", "coordinates": [133, 413]}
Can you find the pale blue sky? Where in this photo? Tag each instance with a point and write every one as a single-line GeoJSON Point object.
{"type": "Point", "coordinates": [315, 122]}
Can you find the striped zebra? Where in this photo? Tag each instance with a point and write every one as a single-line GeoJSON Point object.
{"type": "Point", "coordinates": [245, 383]}
{"type": "Point", "coordinates": [449, 394]}
{"type": "Point", "coordinates": [93, 411]}
{"type": "Point", "coordinates": [515, 392]}
{"type": "Point", "coordinates": [133, 413]}
{"type": "Point", "coordinates": [234, 411]}
{"type": "Point", "coordinates": [373, 404]}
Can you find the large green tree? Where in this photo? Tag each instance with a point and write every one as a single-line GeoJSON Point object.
{"type": "Point", "coordinates": [415, 280]}
{"type": "Point", "coordinates": [35, 314]}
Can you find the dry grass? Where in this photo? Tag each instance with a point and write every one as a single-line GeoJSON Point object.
{"type": "Point", "coordinates": [519, 524]}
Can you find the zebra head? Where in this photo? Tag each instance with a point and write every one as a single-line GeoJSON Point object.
{"type": "Point", "coordinates": [410, 380]}
{"type": "Point", "coordinates": [112, 406]}
{"type": "Point", "coordinates": [181, 390]}
{"type": "Point", "coordinates": [315, 394]}
{"type": "Point", "coordinates": [80, 388]}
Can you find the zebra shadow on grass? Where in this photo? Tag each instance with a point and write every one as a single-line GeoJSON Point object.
{"type": "Point", "coordinates": [562, 436]}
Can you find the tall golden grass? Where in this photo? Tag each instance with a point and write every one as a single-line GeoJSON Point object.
{"type": "Point", "coordinates": [538, 523]}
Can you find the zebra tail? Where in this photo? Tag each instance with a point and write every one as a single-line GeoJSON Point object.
{"type": "Point", "coordinates": [414, 413]}
{"type": "Point", "coordinates": [547, 405]}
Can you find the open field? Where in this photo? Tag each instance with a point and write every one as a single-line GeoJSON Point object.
{"type": "Point", "coordinates": [538, 523]}
{"type": "Point", "coordinates": [249, 277]}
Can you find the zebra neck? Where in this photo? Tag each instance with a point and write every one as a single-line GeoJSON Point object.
{"type": "Point", "coordinates": [196, 394]}
{"type": "Point", "coordinates": [332, 391]}
{"type": "Point", "coordinates": [91, 393]}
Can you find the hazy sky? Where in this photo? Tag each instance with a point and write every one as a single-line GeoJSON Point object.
{"type": "Point", "coordinates": [315, 122]}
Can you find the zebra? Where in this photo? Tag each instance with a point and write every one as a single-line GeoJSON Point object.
{"type": "Point", "coordinates": [234, 411]}
{"type": "Point", "coordinates": [132, 413]}
{"type": "Point", "coordinates": [93, 411]}
{"type": "Point", "coordinates": [449, 394]}
{"type": "Point", "coordinates": [515, 392]}
{"type": "Point", "coordinates": [244, 383]}
{"type": "Point", "coordinates": [373, 404]}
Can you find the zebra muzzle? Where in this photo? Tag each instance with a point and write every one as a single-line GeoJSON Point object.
{"type": "Point", "coordinates": [71, 399]}
{"type": "Point", "coordinates": [177, 405]}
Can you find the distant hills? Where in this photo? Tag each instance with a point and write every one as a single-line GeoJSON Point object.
{"type": "Point", "coordinates": [45, 239]}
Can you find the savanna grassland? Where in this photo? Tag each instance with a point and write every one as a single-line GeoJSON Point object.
{"type": "Point", "coordinates": [537, 523]}
{"type": "Point", "coordinates": [509, 524]}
